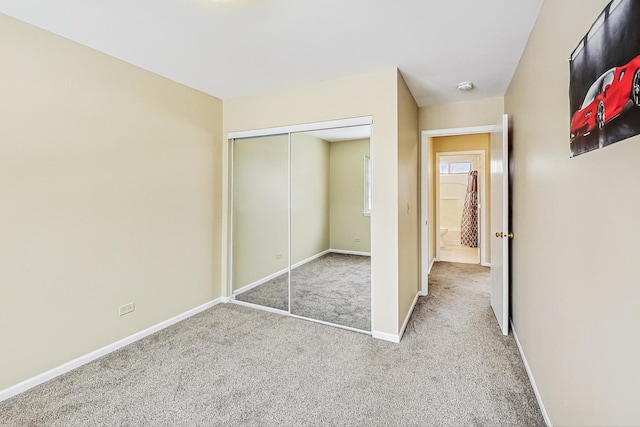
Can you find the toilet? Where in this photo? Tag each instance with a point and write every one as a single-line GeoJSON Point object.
{"type": "Point", "coordinates": [443, 231]}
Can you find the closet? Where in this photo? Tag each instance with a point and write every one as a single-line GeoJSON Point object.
{"type": "Point", "coordinates": [300, 221]}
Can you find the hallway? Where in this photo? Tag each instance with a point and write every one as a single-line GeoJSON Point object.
{"type": "Point", "coordinates": [465, 349]}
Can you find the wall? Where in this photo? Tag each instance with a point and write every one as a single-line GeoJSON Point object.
{"type": "Point", "coordinates": [453, 189]}
{"type": "Point", "coordinates": [261, 208]}
{"type": "Point", "coordinates": [576, 283]}
{"type": "Point", "coordinates": [310, 196]}
{"type": "Point", "coordinates": [347, 196]}
{"type": "Point", "coordinates": [327, 202]}
{"type": "Point", "coordinates": [408, 200]}
{"type": "Point", "coordinates": [481, 112]}
{"type": "Point", "coordinates": [110, 195]}
{"type": "Point", "coordinates": [373, 94]}
{"type": "Point", "coordinates": [445, 144]}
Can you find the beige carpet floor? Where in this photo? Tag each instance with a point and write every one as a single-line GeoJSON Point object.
{"type": "Point", "coordinates": [237, 366]}
{"type": "Point", "coordinates": [334, 288]}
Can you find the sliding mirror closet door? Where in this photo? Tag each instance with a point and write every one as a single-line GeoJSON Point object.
{"type": "Point", "coordinates": [330, 226]}
{"type": "Point", "coordinates": [260, 239]}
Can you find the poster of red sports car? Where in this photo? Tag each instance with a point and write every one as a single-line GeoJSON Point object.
{"type": "Point", "coordinates": [604, 92]}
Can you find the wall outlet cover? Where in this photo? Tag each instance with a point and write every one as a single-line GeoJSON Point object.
{"type": "Point", "coordinates": [126, 309]}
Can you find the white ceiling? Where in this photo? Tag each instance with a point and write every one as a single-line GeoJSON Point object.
{"type": "Point", "coordinates": [343, 134]}
{"type": "Point", "coordinates": [240, 47]}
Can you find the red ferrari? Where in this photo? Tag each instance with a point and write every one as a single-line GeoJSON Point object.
{"type": "Point", "coordinates": [613, 93]}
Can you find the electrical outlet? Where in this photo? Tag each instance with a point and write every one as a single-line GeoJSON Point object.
{"type": "Point", "coordinates": [126, 309]}
{"type": "Point", "coordinates": [356, 239]}
{"type": "Point", "coordinates": [278, 255]}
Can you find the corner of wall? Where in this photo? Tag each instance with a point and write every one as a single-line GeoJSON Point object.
{"type": "Point", "coordinates": [408, 203]}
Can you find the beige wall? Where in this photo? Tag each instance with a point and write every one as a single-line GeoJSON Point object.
{"type": "Point", "coordinates": [576, 282]}
{"type": "Point", "coordinates": [348, 221]}
{"type": "Point", "coordinates": [310, 200]}
{"type": "Point", "coordinates": [408, 200]}
{"type": "Point", "coordinates": [260, 208]}
{"type": "Point", "coordinates": [444, 144]}
{"type": "Point", "coordinates": [327, 202]}
{"type": "Point", "coordinates": [482, 112]}
{"type": "Point", "coordinates": [109, 195]}
{"type": "Point", "coordinates": [373, 94]}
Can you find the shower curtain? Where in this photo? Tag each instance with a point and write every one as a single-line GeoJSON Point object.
{"type": "Point", "coordinates": [469, 225]}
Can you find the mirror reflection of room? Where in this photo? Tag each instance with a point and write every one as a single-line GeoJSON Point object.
{"type": "Point", "coordinates": [330, 226]}
{"type": "Point", "coordinates": [304, 200]}
{"type": "Point", "coordinates": [260, 221]}
{"type": "Point", "coordinates": [459, 220]}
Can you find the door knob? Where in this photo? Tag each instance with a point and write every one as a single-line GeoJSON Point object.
{"type": "Point", "coordinates": [501, 235]}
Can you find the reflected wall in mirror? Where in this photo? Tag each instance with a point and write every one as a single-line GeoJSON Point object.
{"type": "Point", "coordinates": [330, 226]}
{"type": "Point", "coordinates": [260, 218]}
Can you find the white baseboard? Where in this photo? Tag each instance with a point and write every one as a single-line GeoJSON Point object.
{"type": "Point", "coordinates": [485, 264]}
{"type": "Point", "coordinates": [408, 316]}
{"type": "Point", "coordinates": [259, 307]}
{"type": "Point", "coordinates": [82, 360]}
{"type": "Point", "coordinates": [422, 293]}
{"type": "Point", "coordinates": [340, 251]}
{"type": "Point", "coordinates": [545, 415]}
{"type": "Point", "coordinates": [395, 338]}
{"type": "Point", "coordinates": [311, 258]}
{"type": "Point", "coordinates": [260, 281]}
{"type": "Point", "coordinates": [296, 265]}
{"type": "Point", "coordinates": [335, 325]}
{"type": "Point", "coordinates": [279, 273]}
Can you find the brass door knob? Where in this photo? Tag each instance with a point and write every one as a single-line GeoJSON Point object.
{"type": "Point", "coordinates": [501, 235]}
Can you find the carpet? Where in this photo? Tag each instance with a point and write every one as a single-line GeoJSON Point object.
{"type": "Point", "coordinates": [233, 365]}
{"type": "Point", "coordinates": [334, 288]}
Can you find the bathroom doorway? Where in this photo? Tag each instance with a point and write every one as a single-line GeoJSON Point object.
{"type": "Point", "coordinates": [454, 142]}
{"type": "Point", "coordinates": [460, 183]}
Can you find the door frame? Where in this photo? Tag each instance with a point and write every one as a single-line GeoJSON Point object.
{"type": "Point", "coordinates": [482, 218]}
{"type": "Point", "coordinates": [426, 258]}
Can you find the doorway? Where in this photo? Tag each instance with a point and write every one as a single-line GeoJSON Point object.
{"type": "Point", "coordinates": [460, 203]}
{"type": "Point", "coordinates": [497, 202]}
{"type": "Point", "coordinates": [457, 141]}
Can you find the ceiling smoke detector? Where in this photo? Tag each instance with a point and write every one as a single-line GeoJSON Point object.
{"type": "Point", "coordinates": [465, 86]}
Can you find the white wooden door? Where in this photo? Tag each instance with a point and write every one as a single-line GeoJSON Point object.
{"type": "Point", "coordinates": [500, 231]}
{"type": "Point", "coordinates": [424, 215]}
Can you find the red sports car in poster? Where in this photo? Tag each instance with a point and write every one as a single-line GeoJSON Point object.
{"type": "Point", "coordinates": [613, 93]}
